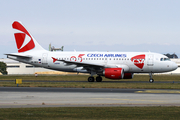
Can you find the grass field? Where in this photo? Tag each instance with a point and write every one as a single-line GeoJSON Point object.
{"type": "Point", "coordinates": [86, 84]}
{"type": "Point", "coordinates": [84, 77]}
{"type": "Point", "coordinates": [91, 113]}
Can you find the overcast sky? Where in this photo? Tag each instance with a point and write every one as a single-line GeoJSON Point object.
{"type": "Point", "coordinates": [94, 25]}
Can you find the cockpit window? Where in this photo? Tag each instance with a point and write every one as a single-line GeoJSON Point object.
{"type": "Point", "coordinates": [164, 59]}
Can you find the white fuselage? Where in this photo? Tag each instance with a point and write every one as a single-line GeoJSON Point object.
{"type": "Point", "coordinates": [133, 62]}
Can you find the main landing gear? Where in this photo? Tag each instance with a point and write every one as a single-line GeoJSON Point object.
{"type": "Point", "coordinates": [90, 79]}
{"type": "Point", "coordinates": [98, 79]}
{"type": "Point", "coordinates": [151, 80]}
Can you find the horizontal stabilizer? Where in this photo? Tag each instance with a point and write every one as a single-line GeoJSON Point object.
{"type": "Point", "coordinates": [18, 55]}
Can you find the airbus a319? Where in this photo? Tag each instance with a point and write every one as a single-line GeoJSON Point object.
{"type": "Point", "coordinates": [112, 65]}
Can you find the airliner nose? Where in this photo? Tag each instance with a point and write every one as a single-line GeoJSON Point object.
{"type": "Point", "coordinates": [174, 66]}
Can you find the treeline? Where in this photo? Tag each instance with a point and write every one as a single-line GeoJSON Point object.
{"type": "Point", "coordinates": [171, 55]}
{"type": "Point", "coordinates": [3, 68]}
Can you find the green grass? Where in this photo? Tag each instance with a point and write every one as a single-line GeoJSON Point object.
{"type": "Point", "coordinates": [84, 77]}
{"type": "Point", "coordinates": [91, 113]}
{"type": "Point", "coordinates": [95, 85]}
{"type": "Point", "coordinates": [86, 84]}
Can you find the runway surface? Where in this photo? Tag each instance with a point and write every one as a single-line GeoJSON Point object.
{"type": "Point", "coordinates": [13, 97]}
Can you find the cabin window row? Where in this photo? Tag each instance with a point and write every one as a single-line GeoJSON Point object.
{"type": "Point", "coordinates": [99, 59]}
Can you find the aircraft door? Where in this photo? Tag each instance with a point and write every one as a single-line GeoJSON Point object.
{"type": "Point", "coordinates": [44, 59]}
{"type": "Point", "coordinates": [150, 61]}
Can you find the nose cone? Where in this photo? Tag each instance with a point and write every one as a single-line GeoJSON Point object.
{"type": "Point", "coordinates": [174, 66]}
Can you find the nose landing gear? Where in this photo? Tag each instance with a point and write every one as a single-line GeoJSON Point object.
{"type": "Point", "coordinates": [151, 80]}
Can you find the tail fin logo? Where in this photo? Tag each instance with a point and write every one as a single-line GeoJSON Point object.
{"type": "Point", "coordinates": [24, 41]}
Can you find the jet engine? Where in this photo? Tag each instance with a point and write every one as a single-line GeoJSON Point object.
{"type": "Point", "coordinates": [128, 75]}
{"type": "Point", "coordinates": [113, 73]}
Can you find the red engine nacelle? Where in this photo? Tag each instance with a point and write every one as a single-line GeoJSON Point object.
{"type": "Point", "coordinates": [128, 75]}
{"type": "Point", "coordinates": [114, 73]}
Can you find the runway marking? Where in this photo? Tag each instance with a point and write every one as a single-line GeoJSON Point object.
{"type": "Point", "coordinates": [159, 91]}
{"type": "Point", "coordinates": [128, 99]}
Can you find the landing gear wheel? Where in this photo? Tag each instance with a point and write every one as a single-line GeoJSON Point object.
{"type": "Point", "coordinates": [99, 79]}
{"type": "Point", "coordinates": [151, 80]}
{"type": "Point", "coordinates": [90, 79]}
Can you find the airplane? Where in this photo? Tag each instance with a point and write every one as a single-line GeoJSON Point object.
{"type": "Point", "coordinates": [112, 65]}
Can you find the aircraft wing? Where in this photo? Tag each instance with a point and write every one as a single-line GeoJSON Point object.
{"type": "Point", "coordinates": [83, 64]}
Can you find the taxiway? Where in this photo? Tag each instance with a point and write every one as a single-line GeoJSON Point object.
{"type": "Point", "coordinates": [13, 97]}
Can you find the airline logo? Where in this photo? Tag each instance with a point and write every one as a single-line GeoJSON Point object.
{"type": "Point", "coordinates": [73, 58]}
{"type": "Point", "coordinates": [78, 58]}
{"type": "Point", "coordinates": [138, 60]}
{"type": "Point", "coordinates": [24, 40]}
{"type": "Point", "coordinates": [106, 55]}
{"type": "Point", "coordinates": [54, 59]}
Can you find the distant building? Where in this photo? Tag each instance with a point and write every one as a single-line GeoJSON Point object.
{"type": "Point", "coordinates": [171, 55]}
{"type": "Point", "coordinates": [55, 49]}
